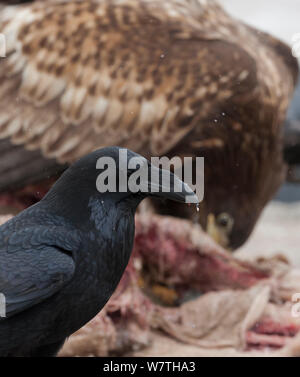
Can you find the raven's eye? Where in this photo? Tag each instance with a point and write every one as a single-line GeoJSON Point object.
{"type": "Point", "coordinates": [225, 221]}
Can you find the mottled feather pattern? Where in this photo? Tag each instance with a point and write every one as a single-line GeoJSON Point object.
{"type": "Point", "coordinates": [140, 73]}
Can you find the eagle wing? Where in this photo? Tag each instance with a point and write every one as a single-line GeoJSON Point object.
{"type": "Point", "coordinates": [82, 75]}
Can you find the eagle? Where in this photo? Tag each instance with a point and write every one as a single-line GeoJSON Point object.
{"type": "Point", "coordinates": [163, 78]}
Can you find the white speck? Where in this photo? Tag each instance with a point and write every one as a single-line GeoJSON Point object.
{"type": "Point", "coordinates": [162, 56]}
{"type": "Point", "coordinates": [223, 114]}
{"type": "Point", "coordinates": [216, 120]}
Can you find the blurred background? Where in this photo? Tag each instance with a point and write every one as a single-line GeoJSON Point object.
{"type": "Point", "coordinates": [278, 17]}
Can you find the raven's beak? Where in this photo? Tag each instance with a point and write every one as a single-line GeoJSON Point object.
{"type": "Point", "coordinates": [164, 184]}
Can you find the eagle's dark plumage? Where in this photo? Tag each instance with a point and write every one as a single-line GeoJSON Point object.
{"type": "Point", "coordinates": [174, 77]}
{"type": "Point", "coordinates": [292, 137]}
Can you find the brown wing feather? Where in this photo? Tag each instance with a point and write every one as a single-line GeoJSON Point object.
{"type": "Point", "coordinates": [81, 75]}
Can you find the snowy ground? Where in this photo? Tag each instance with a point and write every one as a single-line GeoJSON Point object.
{"type": "Point", "coordinates": [278, 231]}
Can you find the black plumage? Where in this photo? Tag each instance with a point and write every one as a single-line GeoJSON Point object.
{"type": "Point", "coordinates": [61, 259]}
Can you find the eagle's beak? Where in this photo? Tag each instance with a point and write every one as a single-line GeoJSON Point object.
{"type": "Point", "coordinates": [215, 232]}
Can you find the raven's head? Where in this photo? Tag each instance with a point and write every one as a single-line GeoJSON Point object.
{"type": "Point", "coordinates": [115, 176]}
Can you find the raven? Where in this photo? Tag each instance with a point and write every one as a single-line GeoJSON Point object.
{"type": "Point", "coordinates": [62, 258]}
